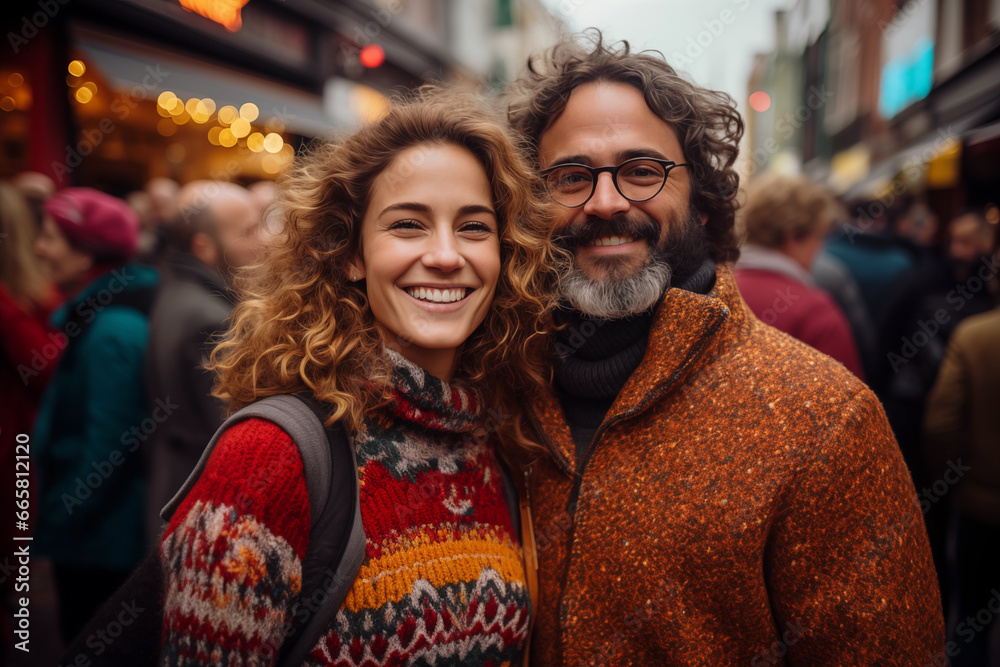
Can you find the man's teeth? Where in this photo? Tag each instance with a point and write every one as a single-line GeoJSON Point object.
{"type": "Point", "coordinates": [437, 295]}
{"type": "Point", "coordinates": [611, 240]}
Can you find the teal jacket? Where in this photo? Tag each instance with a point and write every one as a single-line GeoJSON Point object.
{"type": "Point", "coordinates": [91, 425]}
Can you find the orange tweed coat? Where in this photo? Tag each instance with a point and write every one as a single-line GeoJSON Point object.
{"type": "Point", "coordinates": [743, 502]}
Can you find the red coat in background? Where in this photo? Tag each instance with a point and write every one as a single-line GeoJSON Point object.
{"type": "Point", "coordinates": [26, 341]}
{"type": "Point", "coordinates": [782, 294]}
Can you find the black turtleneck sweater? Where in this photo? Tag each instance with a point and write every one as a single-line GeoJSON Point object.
{"type": "Point", "coordinates": [596, 357]}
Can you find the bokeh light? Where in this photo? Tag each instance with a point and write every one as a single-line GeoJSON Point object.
{"type": "Point", "coordinates": [249, 112]}
{"type": "Point", "coordinates": [273, 142]}
{"type": "Point", "coordinates": [760, 101]}
{"type": "Point", "coordinates": [77, 68]}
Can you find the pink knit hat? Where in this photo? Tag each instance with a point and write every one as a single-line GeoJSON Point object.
{"type": "Point", "coordinates": [98, 222]}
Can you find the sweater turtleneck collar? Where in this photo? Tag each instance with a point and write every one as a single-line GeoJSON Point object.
{"type": "Point", "coordinates": [597, 356]}
{"type": "Point", "coordinates": [429, 401]}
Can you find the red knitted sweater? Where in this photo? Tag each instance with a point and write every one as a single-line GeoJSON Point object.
{"type": "Point", "coordinates": [443, 582]}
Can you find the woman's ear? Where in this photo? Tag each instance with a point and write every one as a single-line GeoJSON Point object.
{"type": "Point", "coordinates": [356, 270]}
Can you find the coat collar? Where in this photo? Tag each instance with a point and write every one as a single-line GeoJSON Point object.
{"type": "Point", "coordinates": [687, 329]}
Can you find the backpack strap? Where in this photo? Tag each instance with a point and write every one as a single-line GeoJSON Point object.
{"type": "Point", "coordinates": [335, 554]}
{"type": "Point", "coordinates": [296, 419]}
{"type": "Point", "coordinates": [337, 540]}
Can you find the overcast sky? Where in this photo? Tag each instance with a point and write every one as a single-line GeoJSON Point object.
{"type": "Point", "coordinates": [714, 41]}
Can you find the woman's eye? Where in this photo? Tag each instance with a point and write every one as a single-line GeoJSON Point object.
{"type": "Point", "coordinates": [405, 224]}
{"type": "Point", "coordinates": [477, 228]}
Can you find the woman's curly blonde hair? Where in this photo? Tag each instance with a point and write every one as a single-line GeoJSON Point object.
{"type": "Point", "coordinates": [301, 326]}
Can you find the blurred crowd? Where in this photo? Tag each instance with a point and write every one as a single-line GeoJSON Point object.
{"type": "Point", "coordinates": [109, 309]}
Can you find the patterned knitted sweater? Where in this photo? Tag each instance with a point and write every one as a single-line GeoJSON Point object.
{"type": "Point", "coordinates": [443, 581]}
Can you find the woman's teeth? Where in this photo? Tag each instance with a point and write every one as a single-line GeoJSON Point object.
{"type": "Point", "coordinates": [437, 295]}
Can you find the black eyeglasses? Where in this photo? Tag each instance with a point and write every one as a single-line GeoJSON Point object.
{"type": "Point", "coordinates": [638, 180]}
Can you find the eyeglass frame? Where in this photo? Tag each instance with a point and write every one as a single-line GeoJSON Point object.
{"type": "Point", "coordinates": [595, 172]}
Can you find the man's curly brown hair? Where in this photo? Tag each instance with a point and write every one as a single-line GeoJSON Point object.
{"type": "Point", "coordinates": [302, 326]}
{"type": "Point", "coordinates": [707, 123]}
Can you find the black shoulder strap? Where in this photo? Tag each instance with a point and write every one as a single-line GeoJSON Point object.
{"type": "Point", "coordinates": [336, 539]}
{"type": "Point", "coordinates": [335, 554]}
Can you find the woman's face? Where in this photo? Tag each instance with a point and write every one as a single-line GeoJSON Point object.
{"type": "Point", "coordinates": [66, 264]}
{"type": "Point", "coordinates": [430, 253]}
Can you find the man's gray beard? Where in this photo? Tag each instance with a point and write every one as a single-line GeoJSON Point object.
{"type": "Point", "coordinates": [611, 298]}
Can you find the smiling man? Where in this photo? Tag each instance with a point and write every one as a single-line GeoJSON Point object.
{"type": "Point", "coordinates": [717, 492]}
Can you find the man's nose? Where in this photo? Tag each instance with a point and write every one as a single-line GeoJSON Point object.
{"type": "Point", "coordinates": [607, 202]}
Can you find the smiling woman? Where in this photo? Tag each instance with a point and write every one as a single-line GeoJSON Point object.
{"type": "Point", "coordinates": [409, 293]}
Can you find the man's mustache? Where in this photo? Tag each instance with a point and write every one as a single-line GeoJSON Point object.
{"type": "Point", "coordinates": [587, 231]}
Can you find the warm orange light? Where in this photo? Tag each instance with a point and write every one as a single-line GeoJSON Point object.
{"type": "Point", "coordinates": [77, 68]}
{"type": "Point", "coordinates": [249, 111]}
{"type": "Point", "coordinates": [223, 12]}
{"type": "Point", "coordinates": [7, 103]}
{"type": "Point", "coordinates": [228, 114]}
{"type": "Point", "coordinates": [83, 95]}
{"type": "Point", "coordinates": [273, 142]}
{"type": "Point", "coordinates": [240, 127]}
{"type": "Point", "coordinates": [15, 79]}
{"type": "Point", "coordinates": [255, 142]}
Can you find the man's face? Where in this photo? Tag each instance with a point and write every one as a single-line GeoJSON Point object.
{"type": "Point", "coordinates": [969, 240]}
{"type": "Point", "coordinates": [615, 240]}
{"type": "Point", "coordinates": [237, 231]}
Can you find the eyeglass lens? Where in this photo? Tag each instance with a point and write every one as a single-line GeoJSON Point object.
{"type": "Point", "coordinates": [636, 179]}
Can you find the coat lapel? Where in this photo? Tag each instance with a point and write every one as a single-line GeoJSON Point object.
{"type": "Point", "coordinates": [686, 325]}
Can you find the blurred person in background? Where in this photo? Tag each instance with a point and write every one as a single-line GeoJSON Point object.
{"type": "Point", "coordinates": [871, 252]}
{"type": "Point", "coordinates": [918, 317]}
{"type": "Point", "coordinates": [93, 418]}
{"type": "Point", "coordinates": [216, 232]}
{"type": "Point", "coordinates": [28, 351]}
{"type": "Point", "coordinates": [142, 204]}
{"type": "Point", "coordinates": [162, 194]}
{"type": "Point", "coordinates": [786, 220]}
{"type": "Point", "coordinates": [962, 431]}
{"type": "Point", "coordinates": [832, 275]}
{"type": "Point", "coordinates": [915, 221]}
{"type": "Point", "coordinates": [35, 188]}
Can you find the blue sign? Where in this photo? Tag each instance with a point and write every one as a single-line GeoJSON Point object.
{"type": "Point", "coordinates": [907, 78]}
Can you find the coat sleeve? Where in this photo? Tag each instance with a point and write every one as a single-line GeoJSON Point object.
{"type": "Point", "coordinates": [232, 553]}
{"type": "Point", "coordinates": [848, 564]}
{"type": "Point", "coordinates": [946, 419]}
{"type": "Point", "coordinates": [25, 341]}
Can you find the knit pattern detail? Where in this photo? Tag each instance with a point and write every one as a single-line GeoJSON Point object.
{"type": "Point", "coordinates": [232, 552]}
{"type": "Point", "coordinates": [443, 581]}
